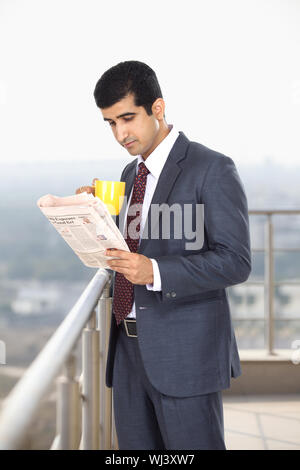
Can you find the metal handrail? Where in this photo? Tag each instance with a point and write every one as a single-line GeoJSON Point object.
{"type": "Point", "coordinates": [20, 406]}
{"type": "Point", "coordinates": [274, 211]}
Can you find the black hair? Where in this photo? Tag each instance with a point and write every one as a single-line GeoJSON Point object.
{"type": "Point", "coordinates": [130, 77]}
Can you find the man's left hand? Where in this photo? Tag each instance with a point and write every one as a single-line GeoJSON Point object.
{"type": "Point", "coordinates": [135, 267]}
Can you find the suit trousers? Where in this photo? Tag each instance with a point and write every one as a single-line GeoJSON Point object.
{"type": "Point", "coordinates": [146, 419]}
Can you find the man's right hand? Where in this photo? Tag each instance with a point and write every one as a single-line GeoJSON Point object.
{"type": "Point", "coordinates": [88, 189]}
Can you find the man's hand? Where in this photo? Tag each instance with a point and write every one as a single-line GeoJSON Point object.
{"type": "Point", "coordinates": [88, 189]}
{"type": "Point", "coordinates": [135, 267]}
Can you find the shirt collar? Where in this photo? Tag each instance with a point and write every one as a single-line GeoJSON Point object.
{"type": "Point", "coordinates": [158, 157]}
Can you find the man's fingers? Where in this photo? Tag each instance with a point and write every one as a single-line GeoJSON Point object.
{"type": "Point", "coordinates": [118, 263]}
{"type": "Point", "coordinates": [122, 270]}
{"type": "Point", "coordinates": [118, 253]}
{"type": "Point", "coordinates": [94, 181]}
{"type": "Point", "coordinates": [87, 189]}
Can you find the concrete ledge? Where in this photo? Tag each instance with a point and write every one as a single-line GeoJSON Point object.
{"type": "Point", "coordinates": [266, 374]}
{"type": "Point", "coordinates": [261, 355]}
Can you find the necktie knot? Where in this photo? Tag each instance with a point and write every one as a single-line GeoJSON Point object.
{"type": "Point", "coordinates": [143, 170]}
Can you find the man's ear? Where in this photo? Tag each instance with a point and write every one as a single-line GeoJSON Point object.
{"type": "Point", "coordinates": [158, 109]}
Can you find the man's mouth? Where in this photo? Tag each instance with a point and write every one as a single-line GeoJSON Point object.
{"type": "Point", "coordinates": [129, 143]}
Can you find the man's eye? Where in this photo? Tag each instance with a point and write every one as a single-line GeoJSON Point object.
{"type": "Point", "coordinates": [112, 123]}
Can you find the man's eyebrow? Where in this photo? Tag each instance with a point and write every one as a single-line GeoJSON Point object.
{"type": "Point", "coordinates": [120, 116]}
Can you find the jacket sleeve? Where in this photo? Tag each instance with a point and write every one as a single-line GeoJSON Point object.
{"type": "Point", "coordinates": [227, 260]}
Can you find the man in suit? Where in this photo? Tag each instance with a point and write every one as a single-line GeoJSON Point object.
{"type": "Point", "coordinates": [172, 346]}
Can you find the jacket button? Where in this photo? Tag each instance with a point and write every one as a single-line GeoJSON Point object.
{"type": "Point", "coordinates": [173, 294]}
{"type": "Point", "coordinates": [168, 295]}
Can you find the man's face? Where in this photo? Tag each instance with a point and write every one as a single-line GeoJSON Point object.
{"type": "Point", "coordinates": [132, 127]}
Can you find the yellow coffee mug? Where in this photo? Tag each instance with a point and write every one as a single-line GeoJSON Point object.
{"type": "Point", "coordinates": [111, 193]}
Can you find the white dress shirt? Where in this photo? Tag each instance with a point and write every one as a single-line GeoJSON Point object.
{"type": "Point", "coordinates": [155, 163]}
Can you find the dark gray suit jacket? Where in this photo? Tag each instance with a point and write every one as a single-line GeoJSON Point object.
{"type": "Point", "coordinates": [185, 331]}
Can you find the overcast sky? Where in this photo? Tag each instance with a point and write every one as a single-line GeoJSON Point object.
{"type": "Point", "coordinates": [229, 72]}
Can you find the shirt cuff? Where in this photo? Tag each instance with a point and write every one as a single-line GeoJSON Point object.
{"type": "Point", "coordinates": [156, 277]}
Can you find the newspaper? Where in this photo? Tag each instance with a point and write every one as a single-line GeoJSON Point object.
{"type": "Point", "coordinates": [85, 224]}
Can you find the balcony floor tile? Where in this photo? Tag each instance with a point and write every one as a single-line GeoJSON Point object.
{"type": "Point", "coordinates": [264, 422]}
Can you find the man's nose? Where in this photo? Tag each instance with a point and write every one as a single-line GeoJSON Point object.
{"type": "Point", "coordinates": [121, 133]}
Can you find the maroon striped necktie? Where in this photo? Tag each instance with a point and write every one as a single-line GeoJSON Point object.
{"type": "Point", "coordinates": [123, 289]}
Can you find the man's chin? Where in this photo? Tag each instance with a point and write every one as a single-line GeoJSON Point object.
{"type": "Point", "coordinates": [133, 152]}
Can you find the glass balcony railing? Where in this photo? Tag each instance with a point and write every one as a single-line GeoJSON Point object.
{"type": "Point", "coordinates": [265, 309]}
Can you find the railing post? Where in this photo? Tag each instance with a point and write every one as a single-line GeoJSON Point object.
{"type": "Point", "coordinates": [106, 419]}
{"type": "Point", "coordinates": [90, 386]}
{"type": "Point", "coordinates": [269, 285]}
{"type": "Point", "coordinates": [68, 406]}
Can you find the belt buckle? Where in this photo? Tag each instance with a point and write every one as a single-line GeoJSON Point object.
{"type": "Point", "coordinates": [126, 327]}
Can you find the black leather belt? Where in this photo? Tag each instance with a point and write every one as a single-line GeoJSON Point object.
{"type": "Point", "coordinates": [130, 327]}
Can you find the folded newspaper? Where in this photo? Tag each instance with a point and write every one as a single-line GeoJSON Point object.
{"type": "Point", "coordinates": [85, 224]}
